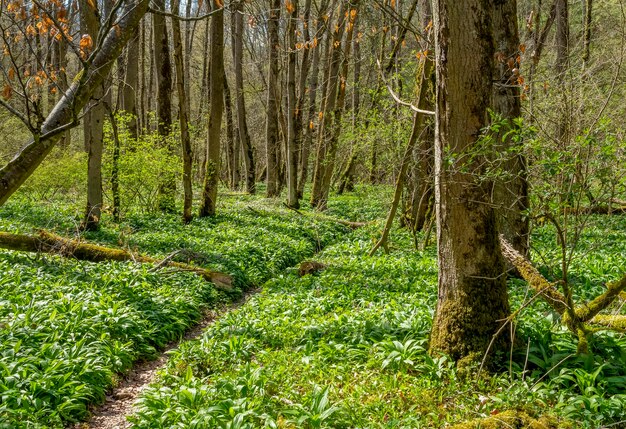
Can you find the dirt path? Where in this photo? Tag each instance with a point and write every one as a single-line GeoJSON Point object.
{"type": "Point", "coordinates": [120, 402]}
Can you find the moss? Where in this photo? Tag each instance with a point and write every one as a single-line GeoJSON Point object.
{"type": "Point", "coordinates": [512, 419]}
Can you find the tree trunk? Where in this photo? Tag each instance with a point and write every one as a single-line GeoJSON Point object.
{"type": "Point", "coordinates": [212, 174]}
{"type": "Point", "coordinates": [163, 67]}
{"type": "Point", "coordinates": [183, 114]}
{"type": "Point", "coordinates": [272, 143]}
{"type": "Point", "coordinates": [472, 288]}
{"type": "Point", "coordinates": [93, 128]}
{"type": "Point", "coordinates": [232, 148]}
{"type": "Point", "coordinates": [511, 192]}
{"type": "Point", "coordinates": [292, 113]}
{"type": "Point", "coordinates": [323, 161]}
{"type": "Point", "coordinates": [313, 89]}
{"type": "Point", "coordinates": [131, 83]}
{"type": "Point", "coordinates": [244, 135]}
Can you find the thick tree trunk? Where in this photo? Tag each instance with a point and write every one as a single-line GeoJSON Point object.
{"type": "Point", "coordinates": [212, 174]}
{"type": "Point", "coordinates": [511, 192]}
{"type": "Point", "coordinates": [244, 135]}
{"type": "Point", "coordinates": [163, 67]}
{"type": "Point", "coordinates": [272, 143]}
{"type": "Point", "coordinates": [292, 113]}
{"type": "Point", "coordinates": [473, 298]}
{"type": "Point", "coordinates": [183, 115]}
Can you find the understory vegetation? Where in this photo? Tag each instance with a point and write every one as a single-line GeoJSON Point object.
{"type": "Point", "coordinates": [68, 329]}
{"type": "Point", "coordinates": [340, 348]}
{"type": "Point", "coordinates": [348, 348]}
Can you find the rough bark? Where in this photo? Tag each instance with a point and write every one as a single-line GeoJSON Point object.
{"type": "Point", "coordinates": [163, 68]}
{"type": "Point", "coordinates": [183, 115]}
{"type": "Point", "coordinates": [216, 84]}
{"type": "Point", "coordinates": [272, 143]}
{"type": "Point", "coordinates": [511, 191]}
{"type": "Point", "coordinates": [51, 243]}
{"type": "Point", "coordinates": [473, 299]}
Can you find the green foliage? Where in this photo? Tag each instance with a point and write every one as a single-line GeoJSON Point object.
{"type": "Point", "coordinates": [61, 175]}
{"type": "Point", "coordinates": [68, 328]}
{"type": "Point", "coordinates": [142, 165]}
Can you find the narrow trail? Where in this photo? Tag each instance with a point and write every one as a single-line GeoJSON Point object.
{"type": "Point", "coordinates": [120, 401]}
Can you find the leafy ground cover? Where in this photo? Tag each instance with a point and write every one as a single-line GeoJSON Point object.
{"type": "Point", "coordinates": [347, 348]}
{"type": "Point", "coordinates": [69, 328]}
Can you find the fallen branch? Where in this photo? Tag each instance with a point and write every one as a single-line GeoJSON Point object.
{"type": "Point", "coordinates": [534, 278]}
{"type": "Point", "coordinates": [51, 243]}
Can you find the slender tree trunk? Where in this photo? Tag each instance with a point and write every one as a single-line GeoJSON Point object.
{"type": "Point", "coordinates": [244, 135]}
{"type": "Point", "coordinates": [163, 67]}
{"type": "Point", "coordinates": [473, 298]}
{"type": "Point", "coordinates": [319, 195]}
{"type": "Point", "coordinates": [313, 90]}
{"type": "Point", "coordinates": [272, 143]}
{"type": "Point", "coordinates": [183, 115]}
{"type": "Point", "coordinates": [93, 128]}
{"type": "Point", "coordinates": [233, 174]}
{"type": "Point", "coordinates": [131, 83]}
{"type": "Point", "coordinates": [335, 127]}
{"type": "Point", "coordinates": [587, 32]}
{"type": "Point", "coordinates": [115, 169]}
{"type": "Point", "coordinates": [211, 178]}
{"type": "Point", "coordinates": [292, 149]}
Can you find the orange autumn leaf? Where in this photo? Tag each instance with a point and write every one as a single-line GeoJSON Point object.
{"type": "Point", "coordinates": [7, 92]}
{"type": "Point", "coordinates": [289, 6]}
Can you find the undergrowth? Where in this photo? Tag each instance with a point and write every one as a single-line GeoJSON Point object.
{"type": "Point", "coordinates": [347, 348]}
{"type": "Point", "coordinates": [69, 328]}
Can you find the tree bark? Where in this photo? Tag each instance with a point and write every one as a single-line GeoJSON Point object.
{"type": "Point", "coordinates": [183, 114]}
{"type": "Point", "coordinates": [216, 84]}
{"type": "Point", "coordinates": [472, 289]}
{"type": "Point", "coordinates": [55, 244]}
{"type": "Point", "coordinates": [292, 113]}
{"type": "Point", "coordinates": [272, 143]}
{"type": "Point", "coordinates": [131, 84]}
{"type": "Point", "coordinates": [163, 67]}
{"type": "Point", "coordinates": [511, 192]}
{"type": "Point", "coordinates": [93, 127]}
{"type": "Point", "coordinates": [244, 135]}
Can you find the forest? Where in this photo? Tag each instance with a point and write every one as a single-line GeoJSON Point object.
{"type": "Point", "coordinates": [244, 214]}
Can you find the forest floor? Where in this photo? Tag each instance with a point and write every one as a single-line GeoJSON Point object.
{"type": "Point", "coordinates": [341, 348]}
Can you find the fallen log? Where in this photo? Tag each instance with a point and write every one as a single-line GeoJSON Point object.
{"type": "Point", "coordinates": [48, 242]}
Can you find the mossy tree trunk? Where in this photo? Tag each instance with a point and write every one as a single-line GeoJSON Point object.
{"type": "Point", "coordinates": [473, 299]}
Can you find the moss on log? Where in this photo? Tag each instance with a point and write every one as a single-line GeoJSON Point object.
{"type": "Point", "coordinates": [509, 419]}
{"type": "Point", "coordinates": [48, 242]}
{"type": "Point", "coordinates": [534, 278]}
